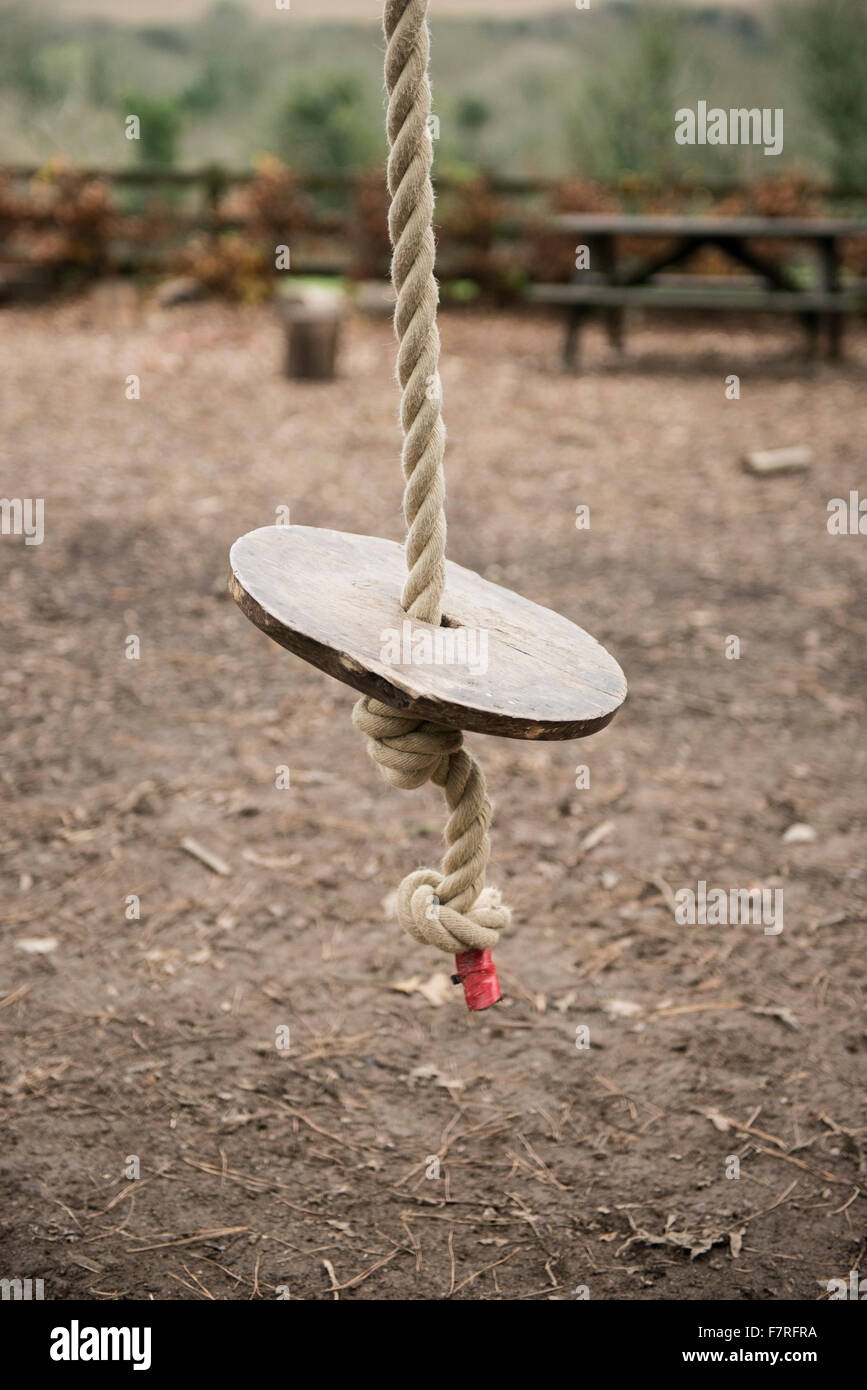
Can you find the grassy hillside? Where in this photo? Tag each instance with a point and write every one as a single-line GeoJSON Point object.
{"type": "Point", "coordinates": [549, 92]}
{"type": "Point", "coordinates": [363, 11]}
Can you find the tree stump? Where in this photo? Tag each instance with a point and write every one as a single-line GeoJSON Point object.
{"type": "Point", "coordinates": [26, 284]}
{"type": "Point", "coordinates": [312, 321]}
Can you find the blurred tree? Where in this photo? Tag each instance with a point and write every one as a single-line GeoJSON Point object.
{"type": "Point", "coordinates": [23, 36]}
{"type": "Point", "coordinates": [160, 119]}
{"type": "Point", "coordinates": [210, 88]}
{"type": "Point", "coordinates": [830, 38]}
{"type": "Point", "coordinates": [324, 126]}
{"type": "Point", "coordinates": [65, 68]}
{"type": "Point", "coordinates": [98, 78]}
{"type": "Point", "coordinates": [625, 123]}
{"type": "Point", "coordinates": [165, 38]}
{"type": "Point", "coordinates": [472, 114]}
{"type": "Point", "coordinates": [231, 58]}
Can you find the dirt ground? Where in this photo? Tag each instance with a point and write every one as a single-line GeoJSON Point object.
{"type": "Point", "coordinates": [309, 1171]}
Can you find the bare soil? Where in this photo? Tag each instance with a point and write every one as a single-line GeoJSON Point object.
{"type": "Point", "coordinates": [298, 1169]}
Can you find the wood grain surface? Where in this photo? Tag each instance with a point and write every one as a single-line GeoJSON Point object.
{"type": "Point", "coordinates": [333, 598]}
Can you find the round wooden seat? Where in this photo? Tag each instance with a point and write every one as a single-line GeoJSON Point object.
{"type": "Point", "coordinates": [498, 665]}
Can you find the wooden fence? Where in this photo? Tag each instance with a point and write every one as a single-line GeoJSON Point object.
{"type": "Point", "coordinates": [224, 225]}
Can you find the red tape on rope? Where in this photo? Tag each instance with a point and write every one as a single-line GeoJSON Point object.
{"type": "Point", "coordinates": [477, 973]}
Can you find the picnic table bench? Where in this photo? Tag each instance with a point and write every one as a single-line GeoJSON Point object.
{"type": "Point", "coordinates": [612, 286]}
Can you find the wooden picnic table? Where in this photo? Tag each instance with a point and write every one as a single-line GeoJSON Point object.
{"type": "Point", "coordinates": [611, 285]}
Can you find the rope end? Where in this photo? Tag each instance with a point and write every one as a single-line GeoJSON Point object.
{"type": "Point", "coordinates": [478, 975]}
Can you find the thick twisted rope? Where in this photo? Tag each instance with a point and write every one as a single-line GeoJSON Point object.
{"type": "Point", "coordinates": [448, 908]}
{"type": "Point", "coordinates": [412, 273]}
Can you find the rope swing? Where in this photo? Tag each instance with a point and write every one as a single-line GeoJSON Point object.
{"type": "Point", "coordinates": [329, 595]}
{"type": "Point", "coordinates": [451, 909]}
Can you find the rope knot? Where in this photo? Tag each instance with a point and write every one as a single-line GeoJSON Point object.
{"type": "Point", "coordinates": [435, 923]}
{"type": "Point", "coordinates": [409, 751]}
{"type": "Point", "coordinates": [450, 909]}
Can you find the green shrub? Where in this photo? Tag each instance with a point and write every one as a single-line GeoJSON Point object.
{"type": "Point", "coordinates": [324, 127]}
{"type": "Point", "coordinates": [160, 119]}
{"type": "Point", "coordinates": [830, 40]}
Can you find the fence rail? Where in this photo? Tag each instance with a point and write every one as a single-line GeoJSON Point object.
{"type": "Point", "coordinates": [494, 231]}
{"type": "Point", "coordinates": [211, 177]}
